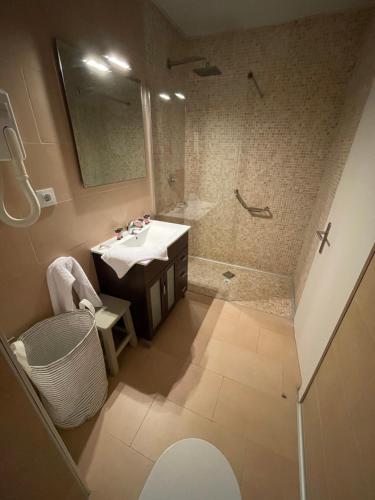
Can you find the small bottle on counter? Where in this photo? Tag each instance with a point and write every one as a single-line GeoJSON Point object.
{"type": "Point", "coordinates": [118, 232]}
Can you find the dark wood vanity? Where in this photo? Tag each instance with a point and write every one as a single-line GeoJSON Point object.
{"type": "Point", "coordinates": [153, 289]}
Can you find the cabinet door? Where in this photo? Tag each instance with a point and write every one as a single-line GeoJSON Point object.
{"type": "Point", "coordinates": [170, 282]}
{"type": "Point", "coordinates": [156, 303]}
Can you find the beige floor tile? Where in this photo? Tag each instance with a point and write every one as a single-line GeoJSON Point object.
{"type": "Point", "coordinates": [291, 384]}
{"type": "Point", "coordinates": [115, 471]}
{"type": "Point", "coordinates": [182, 334]}
{"type": "Point", "coordinates": [268, 476]}
{"type": "Point", "coordinates": [282, 348]}
{"type": "Point", "coordinates": [243, 366]}
{"type": "Point", "coordinates": [269, 321]}
{"type": "Point", "coordinates": [124, 412]}
{"type": "Point", "coordinates": [236, 328]}
{"type": "Point", "coordinates": [197, 390]}
{"type": "Point", "coordinates": [276, 346]}
{"type": "Point", "coordinates": [267, 420]}
{"type": "Point", "coordinates": [167, 423]}
{"type": "Point", "coordinates": [150, 371]}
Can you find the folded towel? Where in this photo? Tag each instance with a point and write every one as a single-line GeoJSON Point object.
{"type": "Point", "coordinates": [122, 258]}
{"type": "Point", "coordinates": [65, 275]}
{"type": "Point", "coordinates": [18, 348]}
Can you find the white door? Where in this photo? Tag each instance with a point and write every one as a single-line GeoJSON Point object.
{"type": "Point", "coordinates": [335, 271]}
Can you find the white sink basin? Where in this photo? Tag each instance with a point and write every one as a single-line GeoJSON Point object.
{"type": "Point", "coordinates": [155, 233]}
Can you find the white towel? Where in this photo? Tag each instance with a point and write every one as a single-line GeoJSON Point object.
{"type": "Point", "coordinates": [63, 276]}
{"type": "Point", "coordinates": [18, 348]}
{"type": "Point", "coordinates": [122, 258]}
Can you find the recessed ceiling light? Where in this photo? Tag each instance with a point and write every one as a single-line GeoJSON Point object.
{"type": "Point", "coordinates": [121, 63]}
{"type": "Point", "coordinates": [179, 95]}
{"type": "Point", "coordinates": [97, 65]}
{"type": "Point", "coordinates": [164, 96]}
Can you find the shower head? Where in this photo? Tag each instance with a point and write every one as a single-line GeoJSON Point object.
{"type": "Point", "coordinates": [207, 70]}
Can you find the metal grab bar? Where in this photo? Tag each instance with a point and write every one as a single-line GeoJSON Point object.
{"type": "Point", "coordinates": [264, 213]}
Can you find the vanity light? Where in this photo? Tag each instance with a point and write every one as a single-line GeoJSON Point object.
{"type": "Point", "coordinates": [164, 96]}
{"type": "Point", "coordinates": [179, 95]}
{"type": "Point", "coordinates": [121, 63]}
{"type": "Point", "coordinates": [97, 65]}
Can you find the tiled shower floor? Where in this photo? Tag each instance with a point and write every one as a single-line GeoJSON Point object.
{"type": "Point", "coordinates": [272, 293]}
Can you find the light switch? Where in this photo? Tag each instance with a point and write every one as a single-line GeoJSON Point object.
{"type": "Point", "coordinates": [46, 197]}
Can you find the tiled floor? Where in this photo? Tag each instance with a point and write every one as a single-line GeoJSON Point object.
{"type": "Point", "coordinates": [267, 292]}
{"type": "Point", "coordinates": [216, 370]}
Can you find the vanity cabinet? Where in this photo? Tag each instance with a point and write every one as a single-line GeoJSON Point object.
{"type": "Point", "coordinates": [153, 290]}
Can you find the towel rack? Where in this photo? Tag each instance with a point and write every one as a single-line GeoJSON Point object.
{"type": "Point", "coordinates": [264, 213]}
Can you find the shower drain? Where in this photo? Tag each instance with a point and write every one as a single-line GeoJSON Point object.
{"type": "Point", "coordinates": [228, 275]}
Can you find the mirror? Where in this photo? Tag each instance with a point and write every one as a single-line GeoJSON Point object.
{"type": "Point", "coordinates": [105, 109]}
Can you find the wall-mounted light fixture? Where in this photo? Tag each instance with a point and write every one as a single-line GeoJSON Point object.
{"type": "Point", "coordinates": [164, 96]}
{"type": "Point", "coordinates": [180, 95]}
{"type": "Point", "coordinates": [121, 63]}
{"type": "Point", "coordinates": [92, 63]}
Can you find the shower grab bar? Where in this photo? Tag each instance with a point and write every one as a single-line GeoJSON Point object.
{"type": "Point", "coordinates": [264, 213]}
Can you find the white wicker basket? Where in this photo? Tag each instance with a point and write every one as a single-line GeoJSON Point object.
{"type": "Point", "coordinates": [67, 366]}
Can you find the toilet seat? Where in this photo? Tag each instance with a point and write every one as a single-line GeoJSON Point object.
{"type": "Point", "coordinates": [191, 469]}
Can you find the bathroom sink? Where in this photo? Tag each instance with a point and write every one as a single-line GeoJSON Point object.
{"type": "Point", "coordinates": [155, 233]}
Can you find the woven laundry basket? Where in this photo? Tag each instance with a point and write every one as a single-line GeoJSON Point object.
{"type": "Point", "coordinates": [67, 366]}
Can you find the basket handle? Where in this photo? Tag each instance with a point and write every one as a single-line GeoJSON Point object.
{"type": "Point", "coordinates": [86, 304]}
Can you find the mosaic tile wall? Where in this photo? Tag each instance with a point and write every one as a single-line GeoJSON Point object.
{"type": "Point", "coordinates": [272, 149]}
{"type": "Point", "coordinates": [356, 96]}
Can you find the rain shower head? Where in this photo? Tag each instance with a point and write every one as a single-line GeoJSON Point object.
{"type": "Point", "coordinates": [207, 70]}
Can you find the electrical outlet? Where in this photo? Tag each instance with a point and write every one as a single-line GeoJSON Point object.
{"type": "Point", "coordinates": [46, 197]}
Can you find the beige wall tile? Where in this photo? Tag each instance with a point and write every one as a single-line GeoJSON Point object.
{"type": "Point", "coordinates": [24, 300]}
{"type": "Point", "coordinates": [263, 419]}
{"type": "Point", "coordinates": [46, 166]}
{"type": "Point", "coordinates": [56, 233]}
{"type": "Point", "coordinates": [29, 72]}
{"type": "Point", "coordinates": [16, 252]}
{"type": "Point", "coordinates": [47, 103]}
{"type": "Point", "coordinates": [12, 81]}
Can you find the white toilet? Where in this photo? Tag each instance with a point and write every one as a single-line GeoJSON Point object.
{"type": "Point", "coordinates": [191, 469]}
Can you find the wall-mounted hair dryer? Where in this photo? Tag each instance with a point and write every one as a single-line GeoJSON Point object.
{"type": "Point", "coordinates": [11, 149]}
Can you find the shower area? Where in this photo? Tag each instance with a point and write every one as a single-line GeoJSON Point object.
{"type": "Point", "coordinates": [242, 125]}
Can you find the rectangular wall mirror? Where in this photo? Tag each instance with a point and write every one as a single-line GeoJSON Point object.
{"type": "Point", "coordinates": [105, 109]}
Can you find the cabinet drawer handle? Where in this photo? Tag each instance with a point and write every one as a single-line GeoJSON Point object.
{"type": "Point", "coordinates": [183, 274]}
{"type": "Point", "coordinates": [184, 258]}
{"type": "Point", "coordinates": [164, 289]}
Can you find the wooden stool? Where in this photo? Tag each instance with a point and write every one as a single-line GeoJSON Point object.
{"type": "Point", "coordinates": [113, 311]}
